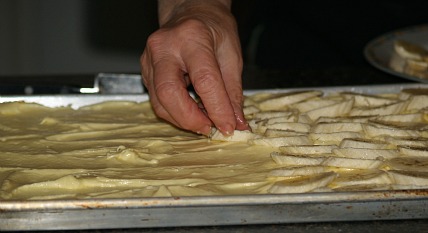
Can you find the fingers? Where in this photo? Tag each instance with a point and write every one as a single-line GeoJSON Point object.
{"type": "Point", "coordinates": [207, 79]}
{"type": "Point", "coordinates": [231, 63]}
{"type": "Point", "coordinates": [169, 96]}
{"type": "Point", "coordinates": [175, 58]}
{"type": "Point", "coordinates": [171, 91]}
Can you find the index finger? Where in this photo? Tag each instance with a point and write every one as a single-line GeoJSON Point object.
{"type": "Point", "coordinates": [170, 90]}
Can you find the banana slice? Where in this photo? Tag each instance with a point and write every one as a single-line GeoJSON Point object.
{"type": "Point", "coordinates": [417, 102]}
{"type": "Point", "coordinates": [162, 191]}
{"type": "Point", "coordinates": [281, 141]}
{"type": "Point", "coordinates": [238, 136]}
{"type": "Point", "coordinates": [337, 127]}
{"type": "Point", "coordinates": [395, 108]}
{"type": "Point", "coordinates": [283, 100]}
{"type": "Point", "coordinates": [400, 118]}
{"type": "Point", "coordinates": [272, 114]}
{"type": "Point", "coordinates": [363, 143]}
{"type": "Point", "coordinates": [409, 50]}
{"type": "Point", "coordinates": [310, 149]}
{"type": "Point", "coordinates": [291, 126]}
{"type": "Point", "coordinates": [377, 130]}
{"type": "Point", "coordinates": [413, 151]}
{"type": "Point", "coordinates": [332, 138]}
{"type": "Point", "coordinates": [408, 163]}
{"type": "Point", "coordinates": [303, 118]}
{"type": "Point", "coordinates": [270, 133]}
{"type": "Point", "coordinates": [257, 126]}
{"type": "Point", "coordinates": [407, 93]}
{"type": "Point", "coordinates": [417, 68]}
{"type": "Point", "coordinates": [362, 177]}
{"type": "Point", "coordinates": [409, 141]}
{"type": "Point", "coordinates": [417, 178]}
{"type": "Point", "coordinates": [298, 171]}
{"type": "Point", "coordinates": [353, 119]}
{"type": "Point", "coordinates": [286, 159]}
{"type": "Point", "coordinates": [284, 119]}
{"type": "Point", "coordinates": [334, 110]}
{"type": "Point", "coordinates": [313, 104]}
{"type": "Point", "coordinates": [365, 100]}
{"type": "Point", "coordinates": [397, 62]}
{"type": "Point", "coordinates": [250, 110]}
{"type": "Point", "coordinates": [352, 163]}
{"type": "Point", "coordinates": [364, 153]}
{"type": "Point", "coordinates": [303, 184]}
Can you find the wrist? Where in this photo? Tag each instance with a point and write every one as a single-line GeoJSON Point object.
{"type": "Point", "coordinates": [168, 10]}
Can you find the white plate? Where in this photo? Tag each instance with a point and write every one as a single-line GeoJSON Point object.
{"type": "Point", "coordinates": [378, 52]}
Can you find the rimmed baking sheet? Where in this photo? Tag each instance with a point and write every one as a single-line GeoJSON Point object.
{"type": "Point", "coordinates": [209, 210]}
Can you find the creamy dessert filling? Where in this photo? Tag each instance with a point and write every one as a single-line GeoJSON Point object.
{"type": "Point", "coordinates": [300, 142]}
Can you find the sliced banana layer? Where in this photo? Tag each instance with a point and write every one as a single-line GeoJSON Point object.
{"type": "Point", "coordinates": [270, 133]}
{"type": "Point", "coordinates": [332, 138]}
{"type": "Point", "coordinates": [337, 127]}
{"type": "Point", "coordinates": [376, 130]}
{"type": "Point", "coordinates": [299, 160]}
{"type": "Point", "coordinates": [365, 100]}
{"type": "Point", "coordinates": [299, 170]}
{"type": "Point", "coordinates": [238, 136]}
{"type": "Point", "coordinates": [335, 110]}
{"type": "Point", "coordinates": [410, 58]}
{"type": "Point", "coordinates": [394, 108]}
{"type": "Point", "coordinates": [364, 143]}
{"type": "Point", "coordinates": [282, 101]}
{"type": "Point", "coordinates": [303, 184]}
{"type": "Point", "coordinates": [362, 177]}
{"type": "Point", "coordinates": [408, 163]}
{"type": "Point", "coordinates": [416, 178]}
{"type": "Point", "coordinates": [308, 149]}
{"type": "Point", "coordinates": [364, 153]}
{"type": "Point", "coordinates": [352, 163]}
{"type": "Point", "coordinates": [359, 136]}
{"type": "Point", "coordinates": [280, 141]}
{"type": "Point", "coordinates": [406, 141]}
{"type": "Point", "coordinates": [413, 151]}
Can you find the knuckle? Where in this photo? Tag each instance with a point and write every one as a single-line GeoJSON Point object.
{"type": "Point", "coordinates": [153, 40]}
{"type": "Point", "coordinates": [206, 82]}
{"type": "Point", "coordinates": [165, 91]}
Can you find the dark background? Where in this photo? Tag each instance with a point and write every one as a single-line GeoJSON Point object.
{"type": "Point", "coordinates": [284, 43]}
{"type": "Point", "coordinates": [308, 43]}
{"type": "Point", "coordinates": [292, 34]}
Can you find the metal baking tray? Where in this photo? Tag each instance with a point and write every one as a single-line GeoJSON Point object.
{"type": "Point", "coordinates": [209, 210]}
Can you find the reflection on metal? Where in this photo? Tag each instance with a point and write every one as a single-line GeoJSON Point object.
{"type": "Point", "coordinates": [109, 83]}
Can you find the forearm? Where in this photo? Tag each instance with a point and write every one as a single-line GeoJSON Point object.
{"type": "Point", "coordinates": [168, 9]}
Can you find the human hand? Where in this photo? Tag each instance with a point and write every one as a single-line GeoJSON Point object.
{"type": "Point", "coordinates": [197, 44]}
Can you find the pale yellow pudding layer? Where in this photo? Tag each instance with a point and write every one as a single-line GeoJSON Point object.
{"type": "Point", "coordinates": [118, 149]}
{"type": "Point", "coordinates": [300, 142]}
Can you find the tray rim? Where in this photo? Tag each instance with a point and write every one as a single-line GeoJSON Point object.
{"type": "Point", "coordinates": [79, 100]}
{"type": "Point", "coordinates": [220, 200]}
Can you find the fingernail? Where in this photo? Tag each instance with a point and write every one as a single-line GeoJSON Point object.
{"type": "Point", "coordinates": [241, 123]}
{"type": "Point", "coordinates": [226, 130]}
{"type": "Point", "coordinates": [206, 130]}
